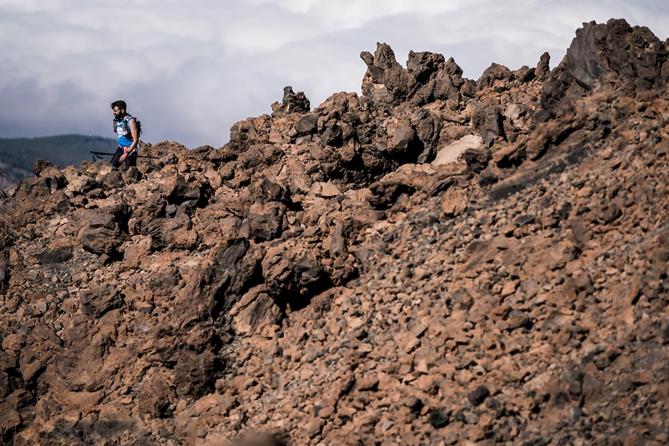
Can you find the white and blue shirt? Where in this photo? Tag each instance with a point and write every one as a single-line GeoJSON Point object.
{"type": "Point", "coordinates": [123, 134]}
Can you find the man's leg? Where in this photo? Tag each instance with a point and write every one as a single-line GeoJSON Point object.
{"type": "Point", "coordinates": [115, 159]}
{"type": "Point", "coordinates": [131, 160]}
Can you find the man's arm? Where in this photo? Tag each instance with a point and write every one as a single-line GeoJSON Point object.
{"type": "Point", "coordinates": [135, 136]}
{"type": "Point", "coordinates": [135, 140]}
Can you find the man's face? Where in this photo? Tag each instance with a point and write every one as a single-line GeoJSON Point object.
{"type": "Point", "coordinates": [118, 112]}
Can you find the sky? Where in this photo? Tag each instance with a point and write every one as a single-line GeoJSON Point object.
{"type": "Point", "coordinates": [190, 69]}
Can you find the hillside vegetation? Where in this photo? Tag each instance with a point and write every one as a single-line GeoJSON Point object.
{"type": "Point", "coordinates": [17, 154]}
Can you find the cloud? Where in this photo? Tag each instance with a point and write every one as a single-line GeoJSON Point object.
{"type": "Point", "coordinates": [190, 70]}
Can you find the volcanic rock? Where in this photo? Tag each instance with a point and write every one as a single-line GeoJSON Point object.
{"type": "Point", "coordinates": [436, 261]}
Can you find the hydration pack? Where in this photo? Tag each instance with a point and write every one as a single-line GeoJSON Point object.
{"type": "Point", "coordinates": [126, 124]}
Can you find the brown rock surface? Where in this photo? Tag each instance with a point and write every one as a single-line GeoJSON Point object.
{"type": "Point", "coordinates": [320, 280]}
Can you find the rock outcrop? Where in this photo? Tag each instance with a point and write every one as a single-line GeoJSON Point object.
{"type": "Point", "coordinates": [436, 261]}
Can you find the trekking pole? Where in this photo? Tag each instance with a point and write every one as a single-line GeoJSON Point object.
{"type": "Point", "coordinates": [99, 155]}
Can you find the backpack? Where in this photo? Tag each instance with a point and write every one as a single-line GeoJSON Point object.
{"type": "Point", "coordinates": [126, 125]}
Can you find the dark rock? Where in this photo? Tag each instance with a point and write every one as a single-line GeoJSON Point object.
{"type": "Point", "coordinates": [155, 398]}
{"type": "Point", "coordinates": [613, 53]}
{"type": "Point", "coordinates": [180, 192]}
{"type": "Point", "coordinates": [543, 67]}
{"type": "Point", "coordinates": [98, 301]}
{"type": "Point", "coordinates": [132, 174]}
{"type": "Point", "coordinates": [101, 234]}
{"type": "Point", "coordinates": [55, 255]}
{"type": "Point", "coordinates": [241, 134]}
{"type": "Point", "coordinates": [264, 221]}
{"type": "Point", "coordinates": [413, 403]}
{"type": "Point", "coordinates": [487, 119]}
{"type": "Point", "coordinates": [487, 178]}
{"type": "Point", "coordinates": [39, 166]}
{"type": "Point", "coordinates": [264, 190]}
{"type": "Point", "coordinates": [306, 124]}
{"type": "Point", "coordinates": [518, 319]}
{"type": "Point", "coordinates": [402, 140]}
{"type": "Point", "coordinates": [262, 440]}
{"type": "Point", "coordinates": [432, 77]}
{"type": "Point", "coordinates": [113, 180]}
{"type": "Point", "coordinates": [218, 156]}
{"type": "Point", "coordinates": [332, 136]}
{"type": "Point", "coordinates": [427, 129]}
{"type": "Point", "coordinates": [143, 218]}
{"type": "Point", "coordinates": [259, 155]}
{"type": "Point", "coordinates": [194, 374]}
{"type": "Point", "coordinates": [4, 271]}
{"type": "Point", "coordinates": [524, 219]}
{"type": "Point", "coordinates": [293, 275]}
{"type": "Point", "coordinates": [71, 433]}
{"type": "Point", "coordinates": [524, 74]}
{"type": "Point", "coordinates": [166, 279]}
{"type": "Point", "coordinates": [426, 78]}
{"type": "Point", "coordinates": [201, 153]}
{"type": "Point", "coordinates": [608, 214]}
{"type": "Point", "coordinates": [34, 187]}
{"type": "Point", "coordinates": [476, 159]}
{"type": "Point", "coordinates": [229, 273]}
{"type": "Point", "coordinates": [7, 235]}
{"type": "Point", "coordinates": [11, 420]}
{"type": "Point", "coordinates": [422, 65]}
{"type": "Point", "coordinates": [494, 72]}
{"type": "Point", "coordinates": [438, 418]}
{"type": "Point", "coordinates": [385, 194]}
{"type": "Point", "coordinates": [449, 83]}
{"type": "Point", "coordinates": [477, 396]}
{"type": "Point", "coordinates": [292, 102]}
{"type": "Point", "coordinates": [386, 81]}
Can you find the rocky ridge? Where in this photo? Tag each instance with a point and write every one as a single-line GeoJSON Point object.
{"type": "Point", "coordinates": [436, 261]}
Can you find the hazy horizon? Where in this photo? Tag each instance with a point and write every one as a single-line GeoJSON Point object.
{"type": "Point", "coordinates": [190, 71]}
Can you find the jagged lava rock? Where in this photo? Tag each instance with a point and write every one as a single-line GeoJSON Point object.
{"type": "Point", "coordinates": [435, 261]}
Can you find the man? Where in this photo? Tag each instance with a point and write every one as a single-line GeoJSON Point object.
{"type": "Point", "coordinates": [127, 130]}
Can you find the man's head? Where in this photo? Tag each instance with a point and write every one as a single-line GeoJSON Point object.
{"type": "Point", "coordinates": [118, 107]}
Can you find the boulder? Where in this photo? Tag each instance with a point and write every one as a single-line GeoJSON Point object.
{"type": "Point", "coordinates": [494, 73]}
{"type": "Point", "coordinates": [614, 54]}
{"type": "Point", "coordinates": [293, 274]}
{"type": "Point", "coordinates": [101, 232]}
{"type": "Point", "coordinates": [453, 152]}
{"type": "Point", "coordinates": [487, 119]}
{"type": "Point", "coordinates": [385, 193]}
{"type": "Point", "coordinates": [77, 182]}
{"type": "Point", "coordinates": [99, 300]}
{"type": "Point", "coordinates": [40, 165]}
{"type": "Point", "coordinates": [55, 255]}
{"type": "Point", "coordinates": [228, 272]}
{"type": "Point", "coordinates": [543, 67]}
{"type": "Point", "coordinates": [265, 221]}
{"type": "Point", "coordinates": [386, 81]}
{"type": "Point", "coordinates": [307, 124]}
{"type": "Point", "coordinates": [113, 180]}
{"type": "Point", "coordinates": [292, 102]}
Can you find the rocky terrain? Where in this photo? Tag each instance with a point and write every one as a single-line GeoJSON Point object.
{"type": "Point", "coordinates": [436, 261]}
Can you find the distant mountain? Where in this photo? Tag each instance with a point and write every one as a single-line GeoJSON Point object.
{"type": "Point", "coordinates": [10, 175]}
{"type": "Point", "coordinates": [17, 154]}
